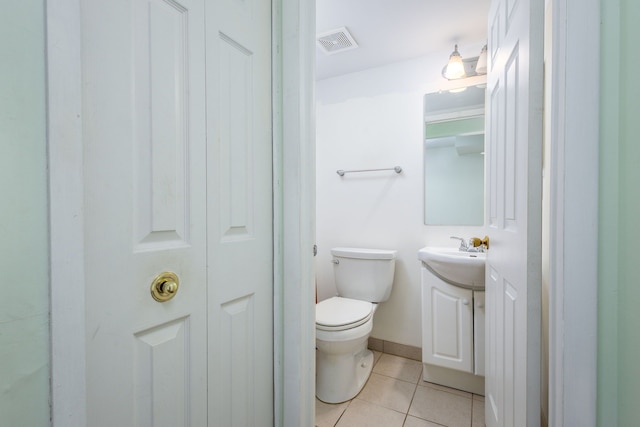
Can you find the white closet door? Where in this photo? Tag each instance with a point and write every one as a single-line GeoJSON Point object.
{"type": "Point", "coordinates": [177, 135]}
{"type": "Point", "coordinates": [239, 214]}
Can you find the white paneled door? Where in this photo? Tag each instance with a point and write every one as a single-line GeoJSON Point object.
{"type": "Point", "coordinates": [177, 168]}
{"type": "Point", "coordinates": [239, 213]}
{"type": "Point", "coordinates": [514, 165]}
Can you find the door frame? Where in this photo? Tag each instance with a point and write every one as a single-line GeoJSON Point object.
{"type": "Point", "coordinates": [573, 298]}
{"type": "Point", "coordinates": [294, 216]}
{"type": "Point", "coordinates": [66, 205]}
{"type": "Point", "coordinates": [294, 209]}
{"type": "Point", "coordinates": [573, 291]}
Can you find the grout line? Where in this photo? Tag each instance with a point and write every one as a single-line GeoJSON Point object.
{"type": "Point", "coordinates": [393, 378]}
{"type": "Point", "coordinates": [447, 391]}
{"type": "Point", "coordinates": [411, 402]}
{"type": "Point", "coordinates": [343, 412]}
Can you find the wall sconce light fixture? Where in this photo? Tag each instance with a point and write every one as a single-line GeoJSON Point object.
{"type": "Point", "coordinates": [455, 68]}
{"type": "Point", "coordinates": [481, 65]}
{"type": "Point", "coordinates": [458, 68]}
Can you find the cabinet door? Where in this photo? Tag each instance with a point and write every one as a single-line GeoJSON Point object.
{"type": "Point", "coordinates": [447, 325]}
{"type": "Point", "coordinates": [478, 332]}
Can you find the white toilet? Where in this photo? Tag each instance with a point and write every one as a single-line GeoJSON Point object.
{"type": "Point", "coordinates": [364, 277]}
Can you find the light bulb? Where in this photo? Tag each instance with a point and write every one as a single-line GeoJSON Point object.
{"type": "Point", "coordinates": [455, 67]}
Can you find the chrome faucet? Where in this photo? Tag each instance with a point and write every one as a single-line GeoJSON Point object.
{"type": "Point", "coordinates": [463, 244]}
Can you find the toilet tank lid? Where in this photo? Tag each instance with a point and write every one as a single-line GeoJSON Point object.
{"type": "Point", "coordinates": [363, 253]}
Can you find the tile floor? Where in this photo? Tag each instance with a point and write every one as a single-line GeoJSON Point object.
{"type": "Point", "coordinates": [396, 396]}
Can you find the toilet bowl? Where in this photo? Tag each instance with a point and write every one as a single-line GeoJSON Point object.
{"type": "Point", "coordinates": [344, 323]}
{"type": "Point", "coordinates": [343, 362]}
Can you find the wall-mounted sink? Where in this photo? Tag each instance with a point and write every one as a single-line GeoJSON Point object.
{"type": "Point", "coordinates": [464, 269]}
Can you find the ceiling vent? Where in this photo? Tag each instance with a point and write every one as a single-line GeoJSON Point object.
{"type": "Point", "coordinates": [335, 41]}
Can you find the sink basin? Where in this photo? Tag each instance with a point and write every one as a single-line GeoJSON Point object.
{"type": "Point", "coordinates": [464, 269]}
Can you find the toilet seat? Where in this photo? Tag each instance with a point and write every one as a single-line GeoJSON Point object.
{"type": "Point", "coordinates": [339, 314]}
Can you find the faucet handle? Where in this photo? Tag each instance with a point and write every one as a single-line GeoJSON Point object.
{"type": "Point", "coordinates": [463, 244]}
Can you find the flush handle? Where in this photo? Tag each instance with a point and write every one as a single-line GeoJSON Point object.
{"type": "Point", "coordinates": [165, 286]}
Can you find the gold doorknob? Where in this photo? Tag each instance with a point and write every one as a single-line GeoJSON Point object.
{"type": "Point", "coordinates": [165, 286]}
{"type": "Point", "coordinates": [476, 241]}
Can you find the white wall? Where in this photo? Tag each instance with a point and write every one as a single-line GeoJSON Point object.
{"type": "Point", "coordinates": [373, 119]}
{"type": "Point", "coordinates": [24, 287]}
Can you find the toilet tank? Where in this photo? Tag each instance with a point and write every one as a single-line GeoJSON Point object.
{"type": "Point", "coordinates": [364, 274]}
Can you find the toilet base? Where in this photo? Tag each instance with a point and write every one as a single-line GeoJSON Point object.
{"type": "Point", "coordinates": [341, 377]}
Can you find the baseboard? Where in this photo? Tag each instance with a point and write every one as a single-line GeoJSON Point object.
{"type": "Point", "coordinates": [389, 347]}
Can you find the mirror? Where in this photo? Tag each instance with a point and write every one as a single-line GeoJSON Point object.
{"type": "Point", "coordinates": [454, 157]}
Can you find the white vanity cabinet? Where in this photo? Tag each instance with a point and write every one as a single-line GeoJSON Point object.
{"type": "Point", "coordinates": [452, 325]}
{"type": "Point", "coordinates": [447, 321]}
{"type": "Point", "coordinates": [453, 316]}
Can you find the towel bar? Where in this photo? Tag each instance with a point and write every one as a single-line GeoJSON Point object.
{"type": "Point", "coordinates": [397, 169]}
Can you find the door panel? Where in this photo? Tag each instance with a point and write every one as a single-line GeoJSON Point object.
{"type": "Point", "coordinates": [144, 145]}
{"type": "Point", "coordinates": [162, 370]}
{"type": "Point", "coordinates": [448, 324]}
{"type": "Point", "coordinates": [239, 214]}
{"type": "Point", "coordinates": [514, 130]}
{"type": "Point", "coordinates": [161, 112]}
{"type": "Point", "coordinates": [177, 145]}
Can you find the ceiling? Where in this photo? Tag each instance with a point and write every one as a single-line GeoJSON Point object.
{"type": "Point", "coordinates": [387, 31]}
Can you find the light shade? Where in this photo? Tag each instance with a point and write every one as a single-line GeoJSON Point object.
{"type": "Point", "coordinates": [481, 66]}
{"type": "Point", "coordinates": [455, 67]}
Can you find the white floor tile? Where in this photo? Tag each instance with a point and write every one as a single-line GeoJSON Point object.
{"type": "Point", "coordinates": [365, 414]}
{"type": "Point", "coordinates": [399, 368]}
{"type": "Point", "coordinates": [441, 407]}
{"type": "Point", "coordinates": [395, 396]}
{"type": "Point", "coordinates": [328, 414]}
{"type": "Point", "coordinates": [418, 422]}
{"type": "Point", "coordinates": [388, 392]}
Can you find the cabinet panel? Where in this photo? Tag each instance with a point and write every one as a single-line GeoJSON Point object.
{"type": "Point", "coordinates": [447, 334]}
